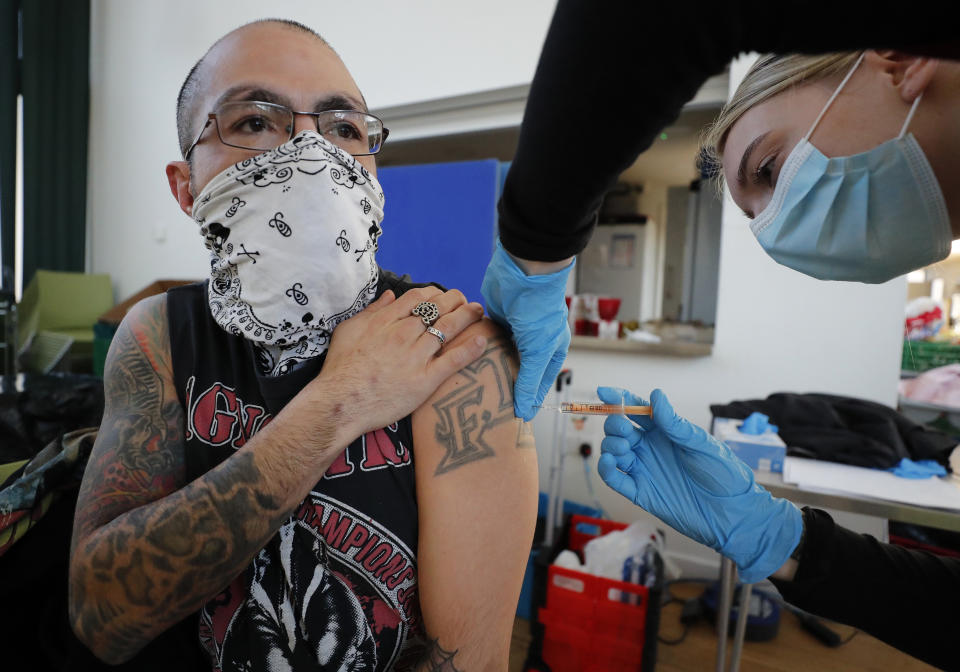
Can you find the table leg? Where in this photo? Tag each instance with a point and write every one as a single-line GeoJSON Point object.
{"type": "Point", "coordinates": [723, 610]}
{"type": "Point", "coordinates": [742, 613]}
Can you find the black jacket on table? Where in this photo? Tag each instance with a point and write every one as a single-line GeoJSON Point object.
{"type": "Point", "coordinates": [613, 74]}
{"type": "Point", "coordinates": [638, 63]}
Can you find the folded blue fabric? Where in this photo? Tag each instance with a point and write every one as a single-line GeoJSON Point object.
{"type": "Point", "coordinates": [918, 469]}
{"type": "Point", "coordinates": [757, 423]}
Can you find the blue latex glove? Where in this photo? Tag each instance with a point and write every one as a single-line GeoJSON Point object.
{"type": "Point", "coordinates": [533, 308]}
{"type": "Point", "coordinates": [908, 468]}
{"type": "Point", "coordinates": [696, 485]}
{"type": "Point", "coordinates": [756, 424]}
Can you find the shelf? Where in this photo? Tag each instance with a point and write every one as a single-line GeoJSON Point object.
{"type": "Point", "coordinates": [666, 348]}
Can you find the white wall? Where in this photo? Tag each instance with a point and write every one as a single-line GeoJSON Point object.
{"type": "Point", "coordinates": [653, 201]}
{"type": "Point", "coordinates": [399, 53]}
{"type": "Point", "coordinates": [777, 330]}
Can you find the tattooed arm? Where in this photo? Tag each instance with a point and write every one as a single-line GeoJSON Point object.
{"type": "Point", "coordinates": [148, 548]}
{"type": "Point", "coordinates": [476, 467]}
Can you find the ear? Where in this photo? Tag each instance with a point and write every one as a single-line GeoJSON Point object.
{"type": "Point", "coordinates": [910, 74]}
{"type": "Point", "coordinates": [178, 176]}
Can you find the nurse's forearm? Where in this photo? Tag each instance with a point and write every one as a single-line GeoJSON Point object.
{"type": "Point", "coordinates": [531, 267]}
{"type": "Point", "coordinates": [903, 597]}
{"type": "Point", "coordinates": [787, 571]}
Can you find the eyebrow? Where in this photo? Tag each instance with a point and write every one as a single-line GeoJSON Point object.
{"type": "Point", "coordinates": [745, 159]}
{"type": "Point", "coordinates": [339, 101]}
{"type": "Point", "coordinates": [248, 92]}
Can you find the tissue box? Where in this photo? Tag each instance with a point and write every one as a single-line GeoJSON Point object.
{"type": "Point", "coordinates": [761, 451]}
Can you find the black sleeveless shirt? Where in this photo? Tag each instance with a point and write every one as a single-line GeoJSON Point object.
{"type": "Point", "coordinates": [336, 587]}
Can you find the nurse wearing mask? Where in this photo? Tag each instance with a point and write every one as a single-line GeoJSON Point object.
{"type": "Point", "coordinates": [848, 166]}
{"type": "Point", "coordinates": [643, 62]}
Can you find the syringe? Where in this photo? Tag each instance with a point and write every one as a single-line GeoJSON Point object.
{"type": "Point", "coordinates": [590, 408]}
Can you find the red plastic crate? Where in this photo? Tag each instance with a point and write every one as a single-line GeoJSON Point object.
{"type": "Point", "coordinates": [584, 528]}
{"type": "Point", "coordinates": [591, 623]}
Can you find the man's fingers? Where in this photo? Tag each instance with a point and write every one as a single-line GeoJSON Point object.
{"type": "Point", "coordinates": [382, 301]}
{"type": "Point", "coordinates": [412, 326]}
{"type": "Point", "coordinates": [454, 357]}
{"type": "Point", "coordinates": [446, 303]}
{"type": "Point", "coordinates": [450, 325]}
{"type": "Point", "coordinates": [450, 300]}
{"type": "Point", "coordinates": [403, 307]}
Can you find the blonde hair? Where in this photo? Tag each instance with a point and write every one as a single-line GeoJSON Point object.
{"type": "Point", "coordinates": [769, 76]}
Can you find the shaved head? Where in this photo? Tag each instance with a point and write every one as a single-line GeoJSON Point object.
{"type": "Point", "coordinates": [188, 97]}
{"type": "Point", "coordinates": [271, 61]}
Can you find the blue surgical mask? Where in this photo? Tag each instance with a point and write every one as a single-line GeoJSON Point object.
{"type": "Point", "coordinates": [868, 217]}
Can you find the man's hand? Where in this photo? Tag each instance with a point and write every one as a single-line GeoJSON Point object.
{"type": "Point", "coordinates": [696, 485]}
{"type": "Point", "coordinates": [384, 364]}
{"type": "Point", "coordinates": [533, 308]}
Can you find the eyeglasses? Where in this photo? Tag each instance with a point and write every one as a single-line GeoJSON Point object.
{"type": "Point", "coordinates": [263, 126]}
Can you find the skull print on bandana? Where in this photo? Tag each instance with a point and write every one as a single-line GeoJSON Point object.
{"type": "Point", "coordinates": [293, 234]}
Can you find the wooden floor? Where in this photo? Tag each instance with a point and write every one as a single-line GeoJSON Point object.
{"type": "Point", "coordinates": [793, 649]}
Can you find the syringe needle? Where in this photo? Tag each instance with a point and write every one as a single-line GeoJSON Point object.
{"type": "Point", "coordinates": [593, 408]}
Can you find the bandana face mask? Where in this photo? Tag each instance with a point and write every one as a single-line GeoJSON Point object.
{"type": "Point", "coordinates": [292, 234]}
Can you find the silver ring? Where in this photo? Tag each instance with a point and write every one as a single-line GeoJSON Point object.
{"type": "Point", "coordinates": [428, 312]}
{"type": "Point", "coordinates": [439, 334]}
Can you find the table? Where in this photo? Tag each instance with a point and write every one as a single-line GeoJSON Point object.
{"type": "Point", "coordinates": [905, 513]}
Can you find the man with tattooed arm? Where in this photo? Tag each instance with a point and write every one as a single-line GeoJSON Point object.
{"type": "Point", "coordinates": [302, 498]}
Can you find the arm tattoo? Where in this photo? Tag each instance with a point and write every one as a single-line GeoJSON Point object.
{"type": "Point", "coordinates": [140, 456]}
{"type": "Point", "coordinates": [140, 565]}
{"type": "Point", "coordinates": [186, 551]}
{"type": "Point", "coordinates": [465, 415]}
{"type": "Point", "coordinates": [438, 659]}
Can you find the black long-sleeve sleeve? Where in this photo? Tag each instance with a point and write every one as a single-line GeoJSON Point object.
{"type": "Point", "coordinates": [905, 598]}
{"type": "Point", "coordinates": [628, 67]}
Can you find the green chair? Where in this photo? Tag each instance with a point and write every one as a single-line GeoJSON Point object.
{"type": "Point", "coordinates": [56, 317]}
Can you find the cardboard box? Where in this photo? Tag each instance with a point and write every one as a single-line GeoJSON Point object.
{"type": "Point", "coordinates": [116, 314]}
{"type": "Point", "coordinates": [764, 452]}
